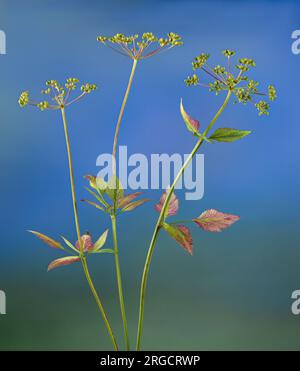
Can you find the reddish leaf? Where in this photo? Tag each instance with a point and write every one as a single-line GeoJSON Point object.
{"type": "Point", "coordinates": [133, 205]}
{"type": "Point", "coordinates": [192, 124]}
{"type": "Point", "coordinates": [63, 261]}
{"type": "Point", "coordinates": [173, 204]}
{"type": "Point", "coordinates": [94, 204]}
{"type": "Point", "coordinates": [92, 180]}
{"type": "Point", "coordinates": [214, 221]}
{"type": "Point", "coordinates": [96, 182]}
{"type": "Point", "coordinates": [127, 199]}
{"type": "Point", "coordinates": [181, 234]}
{"type": "Point", "coordinates": [86, 241]}
{"type": "Point", "coordinates": [49, 241]}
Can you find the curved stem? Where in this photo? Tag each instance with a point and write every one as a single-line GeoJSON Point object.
{"type": "Point", "coordinates": [82, 257]}
{"type": "Point", "coordinates": [119, 280]}
{"type": "Point", "coordinates": [114, 152]}
{"type": "Point", "coordinates": [98, 301]}
{"type": "Point", "coordinates": [161, 219]}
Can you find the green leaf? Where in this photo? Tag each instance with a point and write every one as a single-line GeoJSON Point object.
{"type": "Point", "coordinates": [228, 135]}
{"type": "Point", "coordinates": [100, 242]}
{"type": "Point", "coordinates": [68, 243]}
{"type": "Point", "coordinates": [101, 200]}
{"type": "Point", "coordinates": [123, 201]}
{"type": "Point", "coordinates": [133, 205]}
{"type": "Point", "coordinates": [109, 251]}
{"type": "Point", "coordinates": [94, 204]}
{"type": "Point", "coordinates": [101, 185]}
{"type": "Point", "coordinates": [114, 188]}
{"type": "Point", "coordinates": [97, 183]}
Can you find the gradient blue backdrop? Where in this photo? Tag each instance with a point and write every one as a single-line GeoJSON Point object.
{"type": "Point", "coordinates": [234, 293]}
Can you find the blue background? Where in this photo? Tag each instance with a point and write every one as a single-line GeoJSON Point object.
{"type": "Point", "coordinates": [235, 292]}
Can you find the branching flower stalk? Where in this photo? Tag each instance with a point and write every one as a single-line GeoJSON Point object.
{"type": "Point", "coordinates": [136, 50]}
{"type": "Point", "coordinates": [159, 222]}
{"type": "Point", "coordinates": [211, 220]}
{"type": "Point", "coordinates": [59, 96]}
{"type": "Point", "coordinates": [120, 117]}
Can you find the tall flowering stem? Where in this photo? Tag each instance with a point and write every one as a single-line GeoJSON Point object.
{"type": "Point", "coordinates": [82, 256]}
{"type": "Point", "coordinates": [119, 281]}
{"type": "Point", "coordinates": [60, 98]}
{"type": "Point", "coordinates": [114, 152]}
{"type": "Point", "coordinates": [160, 221]}
{"type": "Point", "coordinates": [245, 91]}
{"type": "Point", "coordinates": [136, 49]}
{"type": "Point", "coordinates": [113, 216]}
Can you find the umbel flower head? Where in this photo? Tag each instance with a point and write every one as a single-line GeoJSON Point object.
{"type": "Point", "coordinates": [136, 47]}
{"type": "Point", "coordinates": [58, 95]}
{"type": "Point", "coordinates": [232, 78]}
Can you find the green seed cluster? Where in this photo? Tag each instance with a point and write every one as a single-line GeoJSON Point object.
{"type": "Point", "coordinates": [272, 93]}
{"type": "Point", "coordinates": [71, 83]}
{"type": "Point", "coordinates": [216, 87]}
{"type": "Point", "coordinates": [228, 53]}
{"type": "Point", "coordinates": [263, 107]}
{"type": "Point", "coordinates": [245, 64]}
{"type": "Point", "coordinates": [88, 88]}
{"type": "Point", "coordinates": [172, 39]}
{"type": "Point", "coordinates": [137, 47]}
{"type": "Point", "coordinates": [200, 61]}
{"type": "Point", "coordinates": [59, 94]}
{"type": "Point", "coordinates": [148, 37]}
{"type": "Point", "coordinates": [219, 70]}
{"type": "Point", "coordinates": [117, 39]}
{"type": "Point", "coordinates": [252, 86]}
{"type": "Point", "coordinates": [24, 99]}
{"type": "Point", "coordinates": [243, 95]}
{"type": "Point", "coordinates": [244, 89]}
{"type": "Point", "coordinates": [43, 105]}
{"type": "Point", "coordinates": [46, 91]}
{"type": "Point", "coordinates": [55, 85]}
{"type": "Point", "coordinates": [192, 80]}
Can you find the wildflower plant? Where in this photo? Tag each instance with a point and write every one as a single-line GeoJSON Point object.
{"type": "Point", "coordinates": [136, 48]}
{"type": "Point", "coordinates": [109, 197]}
{"type": "Point", "coordinates": [234, 83]}
{"type": "Point", "coordinates": [59, 97]}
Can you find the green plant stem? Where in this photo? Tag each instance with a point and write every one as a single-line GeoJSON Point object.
{"type": "Point", "coordinates": [114, 152]}
{"type": "Point", "coordinates": [82, 257]}
{"type": "Point", "coordinates": [113, 217]}
{"type": "Point", "coordinates": [98, 301]}
{"type": "Point", "coordinates": [161, 219]}
{"type": "Point", "coordinates": [70, 161]}
{"type": "Point", "coordinates": [119, 281]}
